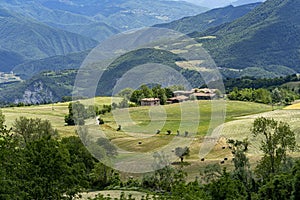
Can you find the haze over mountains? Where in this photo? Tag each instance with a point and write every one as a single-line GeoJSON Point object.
{"type": "Point", "coordinates": [100, 19]}
{"type": "Point", "coordinates": [29, 39]}
{"type": "Point", "coordinates": [211, 18]}
{"type": "Point", "coordinates": [38, 29]}
{"type": "Point", "coordinates": [222, 3]}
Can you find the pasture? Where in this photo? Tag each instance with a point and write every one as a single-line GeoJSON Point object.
{"type": "Point", "coordinates": [198, 118]}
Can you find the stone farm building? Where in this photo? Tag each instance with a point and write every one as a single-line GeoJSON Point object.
{"type": "Point", "coordinates": [199, 94]}
{"type": "Point", "coordinates": [150, 102]}
{"type": "Point", "coordinates": [177, 99]}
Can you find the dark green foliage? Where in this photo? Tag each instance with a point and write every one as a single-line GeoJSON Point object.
{"type": "Point", "coordinates": [125, 93]}
{"type": "Point", "coordinates": [103, 176]}
{"type": "Point", "coordinates": [155, 92]}
{"type": "Point", "coordinates": [261, 95]}
{"type": "Point", "coordinates": [242, 170]}
{"type": "Point", "coordinates": [182, 152]}
{"type": "Point", "coordinates": [256, 83]}
{"type": "Point", "coordinates": [132, 59]}
{"type": "Point", "coordinates": [257, 95]}
{"type": "Point", "coordinates": [277, 188]}
{"type": "Point", "coordinates": [82, 162]}
{"type": "Point", "coordinates": [30, 129]}
{"type": "Point", "coordinates": [277, 141]}
{"type": "Point", "coordinates": [227, 188]}
{"type": "Point", "coordinates": [11, 161]}
{"type": "Point", "coordinates": [43, 169]}
{"type": "Point", "coordinates": [296, 177]}
{"type": "Point", "coordinates": [105, 109]}
{"type": "Point", "coordinates": [77, 114]}
{"type": "Point", "coordinates": [266, 36]}
{"type": "Point", "coordinates": [55, 63]}
{"type": "Point", "coordinates": [48, 174]}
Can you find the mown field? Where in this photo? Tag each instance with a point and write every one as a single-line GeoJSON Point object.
{"type": "Point", "coordinates": [55, 113]}
{"type": "Point", "coordinates": [139, 125]}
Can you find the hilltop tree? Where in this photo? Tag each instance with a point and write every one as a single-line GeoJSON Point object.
{"type": "Point", "coordinates": [159, 92]}
{"type": "Point", "coordinates": [77, 114]}
{"type": "Point", "coordinates": [182, 152]}
{"type": "Point", "coordinates": [277, 140]}
{"type": "Point", "coordinates": [125, 93]}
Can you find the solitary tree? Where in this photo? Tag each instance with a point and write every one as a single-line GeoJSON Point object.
{"type": "Point", "coordinates": [277, 140]}
{"type": "Point", "coordinates": [181, 152]}
{"type": "Point", "coordinates": [77, 114]}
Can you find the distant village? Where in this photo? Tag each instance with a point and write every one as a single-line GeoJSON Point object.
{"type": "Point", "coordinates": [184, 95]}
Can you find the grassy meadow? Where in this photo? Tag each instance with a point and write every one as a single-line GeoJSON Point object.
{"type": "Point", "coordinates": [199, 118]}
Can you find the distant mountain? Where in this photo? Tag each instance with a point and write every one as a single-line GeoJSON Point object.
{"type": "Point", "coordinates": [222, 3]}
{"type": "Point", "coordinates": [24, 39]}
{"type": "Point", "coordinates": [56, 63]}
{"type": "Point", "coordinates": [208, 19]}
{"type": "Point", "coordinates": [243, 2]}
{"type": "Point", "coordinates": [267, 36]}
{"type": "Point", "coordinates": [106, 16]}
{"type": "Point", "coordinates": [8, 59]}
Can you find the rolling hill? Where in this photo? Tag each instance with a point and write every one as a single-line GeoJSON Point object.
{"type": "Point", "coordinates": [211, 18]}
{"type": "Point", "coordinates": [26, 39]}
{"type": "Point", "coordinates": [268, 35]}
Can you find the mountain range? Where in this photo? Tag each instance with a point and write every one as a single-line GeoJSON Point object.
{"type": "Point", "coordinates": [267, 36]}
{"type": "Point", "coordinates": [260, 40]}
{"type": "Point", "coordinates": [26, 39]}
{"type": "Point", "coordinates": [211, 18]}
{"type": "Point", "coordinates": [222, 3]}
{"type": "Point", "coordinates": [101, 19]}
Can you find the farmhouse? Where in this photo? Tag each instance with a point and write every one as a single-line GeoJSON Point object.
{"type": "Point", "coordinates": [196, 93]}
{"type": "Point", "coordinates": [182, 93]}
{"type": "Point", "coordinates": [150, 102]}
{"type": "Point", "coordinates": [177, 99]}
{"type": "Point", "coordinates": [204, 96]}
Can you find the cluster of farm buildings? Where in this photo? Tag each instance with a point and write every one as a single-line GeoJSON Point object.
{"type": "Point", "coordinates": [182, 95]}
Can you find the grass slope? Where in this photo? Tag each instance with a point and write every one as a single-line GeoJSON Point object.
{"type": "Point", "coordinates": [239, 119]}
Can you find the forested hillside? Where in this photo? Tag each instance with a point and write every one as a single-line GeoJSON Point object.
{"type": "Point", "coordinates": [269, 35]}
{"type": "Point", "coordinates": [211, 18]}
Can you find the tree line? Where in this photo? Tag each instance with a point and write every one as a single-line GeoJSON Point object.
{"type": "Point", "coordinates": [281, 96]}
